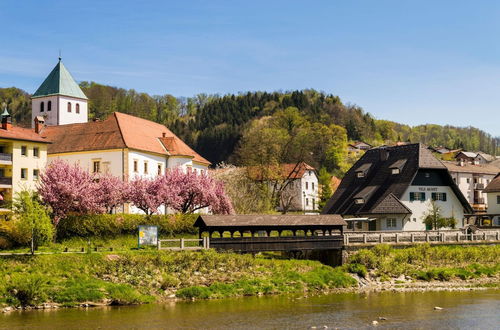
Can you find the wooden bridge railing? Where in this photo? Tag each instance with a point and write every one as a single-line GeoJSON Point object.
{"type": "Point", "coordinates": [432, 237]}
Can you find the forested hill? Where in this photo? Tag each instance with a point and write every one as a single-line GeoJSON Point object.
{"type": "Point", "coordinates": [214, 124]}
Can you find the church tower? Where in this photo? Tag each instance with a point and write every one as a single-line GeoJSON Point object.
{"type": "Point", "coordinates": [59, 99]}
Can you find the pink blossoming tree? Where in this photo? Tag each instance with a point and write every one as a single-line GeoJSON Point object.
{"type": "Point", "coordinates": [146, 194]}
{"type": "Point", "coordinates": [113, 192]}
{"type": "Point", "coordinates": [197, 191]}
{"type": "Point", "coordinates": [69, 189]}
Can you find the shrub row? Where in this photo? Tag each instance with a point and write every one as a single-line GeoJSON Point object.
{"type": "Point", "coordinates": [110, 225]}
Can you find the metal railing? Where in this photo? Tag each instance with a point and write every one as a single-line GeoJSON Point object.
{"type": "Point", "coordinates": [453, 237]}
{"type": "Point", "coordinates": [6, 157]}
{"type": "Point", "coordinates": [5, 181]}
{"type": "Point", "coordinates": [184, 244]}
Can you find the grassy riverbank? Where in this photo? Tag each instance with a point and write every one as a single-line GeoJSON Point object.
{"type": "Point", "coordinates": [133, 277]}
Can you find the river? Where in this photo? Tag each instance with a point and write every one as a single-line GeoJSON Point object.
{"type": "Point", "coordinates": [461, 310]}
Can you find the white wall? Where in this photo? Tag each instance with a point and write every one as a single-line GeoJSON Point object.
{"type": "Point", "coordinates": [467, 188]}
{"type": "Point", "coordinates": [59, 114]}
{"type": "Point", "coordinates": [451, 208]}
{"type": "Point", "coordinates": [111, 161]}
{"type": "Point", "coordinates": [151, 159]}
{"type": "Point", "coordinates": [310, 193]}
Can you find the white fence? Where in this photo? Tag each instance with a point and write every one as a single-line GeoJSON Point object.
{"type": "Point", "coordinates": [436, 237]}
{"type": "Point", "coordinates": [176, 244]}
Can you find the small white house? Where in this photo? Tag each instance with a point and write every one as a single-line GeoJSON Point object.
{"type": "Point", "coordinates": [493, 195]}
{"type": "Point", "coordinates": [393, 188]}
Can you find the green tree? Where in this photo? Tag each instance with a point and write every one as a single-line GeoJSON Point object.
{"type": "Point", "coordinates": [324, 180]}
{"type": "Point", "coordinates": [32, 219]}
{"type": "Point", "coordinates": [434, 220]}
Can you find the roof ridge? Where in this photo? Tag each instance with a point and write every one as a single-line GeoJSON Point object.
{"type": "Point", "coordinates": [119, 128]}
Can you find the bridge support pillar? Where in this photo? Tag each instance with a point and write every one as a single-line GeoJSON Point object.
{"type": "Point", "coordinates": [328, 257]}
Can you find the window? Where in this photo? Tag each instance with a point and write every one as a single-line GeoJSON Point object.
{"type": "Point", "coordinates": [35, 174]}
{"type": "Point", "coordinates": [427, 175]}
{"type": "Point", "coordinates": [360, 174]}
{"type": "Point", "coordinates": [24, 174]}
{"type": "Point", "coordinates": [97, 166]}
{"type": "Point", "coordinates": [307, 201]}
{"type": "Point", "coordinates": [49, 106]}
{"type": "Point", "coordinates": [314, 204]}
{"type": "Point", "coordinates": [77, 108]}
{"type": "Point", "coordinates": [414, 219]}
{"type": "Point", "coordinates": [24, 151]}
{"type": "Point", "coordinates": [359, 225]}
{"type": "Point", "coordinates": [159, 169]}
{"type": "Point", "coordinates": [36, 152]}
{"type": "Point", "coordinates": [498, 199]}
{"type": "Point", "coordinates": [145, 167]}
{"type": "Point", "coordinates": [136, 166]}
{"type": "Point", "coordinates": [395, 171]}
{"type": "Point", "coordinates": [42, 105]}
{"type": "Point", "coordinates": [455, 180]}
{"type": "Point", "coordinates": [390, 223]}
{"type": "Point", "coordinates": [468, 180]}
{"type": "Point", "coordinates": [312, 184]}
{"type": "Point", "coordinates": [439, 197]}
{"type": "Point", "coordinates": [417, 196]}
{"type": "Point", "coordinates": [69, 106]}
{"type": "Point", "coordinates": [359, 201]}
{"type": "Point", "coordinates": [307, 185]}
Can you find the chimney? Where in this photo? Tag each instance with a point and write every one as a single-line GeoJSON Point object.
{"type": "Point", "coordinates": [39, 124]}
{"type": "Point", "coordinates": [164, 134]}
{"type": "Point", "coordinates": [384, 154]}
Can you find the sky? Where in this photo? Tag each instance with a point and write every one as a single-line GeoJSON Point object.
{"type": "Point", "coordinates": [413, 62]}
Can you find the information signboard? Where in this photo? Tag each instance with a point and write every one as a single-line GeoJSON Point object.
{"type": "Point", "coordinates": [148, 235]}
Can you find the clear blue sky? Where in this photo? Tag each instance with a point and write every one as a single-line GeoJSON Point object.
{"type": "Point", "coordinates": [409, 61]}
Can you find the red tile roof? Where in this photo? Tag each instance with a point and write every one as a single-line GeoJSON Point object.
{"type": "Point", "coordinates": [19, 133]}
{"type": "Point", "coordinates": [494, 185]}
{"type": "Point", "coordinates": [116, 132]}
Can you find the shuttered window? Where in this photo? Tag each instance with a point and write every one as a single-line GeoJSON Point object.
{"type": "Point", "coordinates": [417, 196]}
{"type": "Point", "coordinates": [439, 197]}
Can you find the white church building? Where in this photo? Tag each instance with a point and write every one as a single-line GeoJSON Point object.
{"type": "Point", "coordinates": [122, 145]}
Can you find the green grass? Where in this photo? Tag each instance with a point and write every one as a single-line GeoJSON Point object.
{"type": "Point", "coordinates": [425, 262]}
{"type": "Point", "coordinates": [143, 276]}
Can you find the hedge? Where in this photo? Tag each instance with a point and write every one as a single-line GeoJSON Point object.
{"type": "Point", "coordinates": [110, 225]}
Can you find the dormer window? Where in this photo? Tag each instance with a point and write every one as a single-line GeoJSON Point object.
{"type": "Point", "coordinates": [359, 200]}
{"type": "Point", "coordinates": [362, 171]}
{"type": "Point", "coordinates": [397, 166]}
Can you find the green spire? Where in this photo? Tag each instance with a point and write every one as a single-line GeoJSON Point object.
{"type": "Point", "coordinates": [59, 82]}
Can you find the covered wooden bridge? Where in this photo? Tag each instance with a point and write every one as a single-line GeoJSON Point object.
{"type": "Point", "coordinates": [255, 233]}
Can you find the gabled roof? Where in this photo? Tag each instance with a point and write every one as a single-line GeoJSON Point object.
{"type": "Point", "coordinates": [380, 188]}
{"type": "Point", "coordinates": [118, 131]}
{"type": "Point", "coordinates": [282, 171]}
{"type": "Point", "coordinates": [59, 82]}
{"type": "Point", "coordinates": [468, 154]}
{"type": "Point", "coordinates": [288, 220]}
{"type": "Point", "coordinates": [494, 185]}
{"type": "Point", "coordinates": [470, 168]}
{"type": "Point", "coordinates": [24, 134]}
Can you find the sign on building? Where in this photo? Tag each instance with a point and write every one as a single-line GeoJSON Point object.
{"type": "Point", "coordinates": [148, 235]}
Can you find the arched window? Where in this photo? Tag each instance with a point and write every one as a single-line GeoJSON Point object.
{"type": "Point", "coordinates": [69, 106]}
{"type": "Point", "coordinates": [42, 105]}
{"type": "Point", "coordinates": [49, 105]}
{"type": "Point", "coordinates": [77, 108]}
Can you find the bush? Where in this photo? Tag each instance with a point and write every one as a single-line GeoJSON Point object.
{"type": "Point", "coordinates": [194, 292]}
{"type": "Point", "coordinates": [111, 225]}
{"type": "Point", "coordinates": [28, 290]}
{"type": "Point", "coordinates": [357, 269]}
{"type": "Point", "coordinates": [366, 258]}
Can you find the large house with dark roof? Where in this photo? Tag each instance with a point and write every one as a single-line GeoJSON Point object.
{"type": "Point", "coordinates": [392, 188]}
{"type": "Point", "coordinates": [493, 194]}
{"type": "Point", "coordinates": [122, 145]}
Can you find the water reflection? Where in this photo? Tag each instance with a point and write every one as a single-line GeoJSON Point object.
{"type": "Point", "coordinates": [461, 310]}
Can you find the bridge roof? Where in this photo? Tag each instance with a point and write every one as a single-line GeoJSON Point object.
{"type": "Point", "coordinates": [267, 220]}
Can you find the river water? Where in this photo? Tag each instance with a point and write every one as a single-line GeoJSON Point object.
{"type": "Point", "coordinates": [461, 310]}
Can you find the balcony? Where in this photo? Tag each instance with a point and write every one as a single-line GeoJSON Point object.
{"type": "Point", "coordinates": [5, 159]}
{"type": "Point", "coordinates": [478, 186]}
{"type": "Point", "coordinates": [5, 182]}
{"type": "Point", "coordinates": [478, 200]}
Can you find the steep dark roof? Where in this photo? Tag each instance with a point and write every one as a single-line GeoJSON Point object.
{"type": "Point", "coordinates": [379, 187]}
